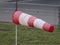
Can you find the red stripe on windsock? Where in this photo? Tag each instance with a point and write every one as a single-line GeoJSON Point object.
{"type": "Point", "coordinates": [48, 27]}
{"type": "Point", "coordinates": [16, 17]}
{"type": "Point", "coordinates": [31, 21]}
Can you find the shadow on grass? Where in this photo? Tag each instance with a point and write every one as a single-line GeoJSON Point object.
{"type": "Point", "coordinates": [4, 30]}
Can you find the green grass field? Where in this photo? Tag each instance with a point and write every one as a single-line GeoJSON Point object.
{"type": "Point", "coordinates": [27, 35]}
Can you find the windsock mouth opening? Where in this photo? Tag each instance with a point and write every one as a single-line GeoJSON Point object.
{"type": "Point", "coordinates": [51, 29]}
{"type": "Point", "coordinates": [15, 17]}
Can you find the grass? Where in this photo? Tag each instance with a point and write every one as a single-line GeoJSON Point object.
{"type": "Point", "coordinates": [27, 35]}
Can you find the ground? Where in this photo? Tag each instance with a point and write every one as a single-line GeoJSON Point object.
{"type": "Point", "coordinates": [27, 35]}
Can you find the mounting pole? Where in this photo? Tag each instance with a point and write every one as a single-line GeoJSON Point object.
{"type": "Point", "coordinates": [16, 27]}
{"type": "Point", "coordinates": [16, 34]}
{"type": "Point", "coordinates": [16, 5]}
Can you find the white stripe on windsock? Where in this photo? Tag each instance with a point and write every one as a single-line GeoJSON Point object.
{"type": "Point", "coordinates": [23, 19]}
{"type": "Point", "coordinates": [38, 23]}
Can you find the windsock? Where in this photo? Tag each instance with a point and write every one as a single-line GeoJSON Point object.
{"type": "Point", "coordinates": [31, 21]}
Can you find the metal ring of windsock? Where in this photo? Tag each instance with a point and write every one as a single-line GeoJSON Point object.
{"type": "Point", "coordinates": [31, 21]}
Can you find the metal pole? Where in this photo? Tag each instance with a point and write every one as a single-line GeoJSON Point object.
{"type": "Point", "coordinates": [16, 25]}
{"type": "Point", "coordinates": [16, 5]}
{"type": "Point", "coordinates": [16, 33]}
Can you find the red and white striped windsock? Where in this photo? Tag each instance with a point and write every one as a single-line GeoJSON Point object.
{"type": "Point", "coordinates": [31, 21]}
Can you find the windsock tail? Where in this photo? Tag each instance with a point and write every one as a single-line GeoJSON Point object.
{"type": "Point", "coordinates": [48, 27]}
